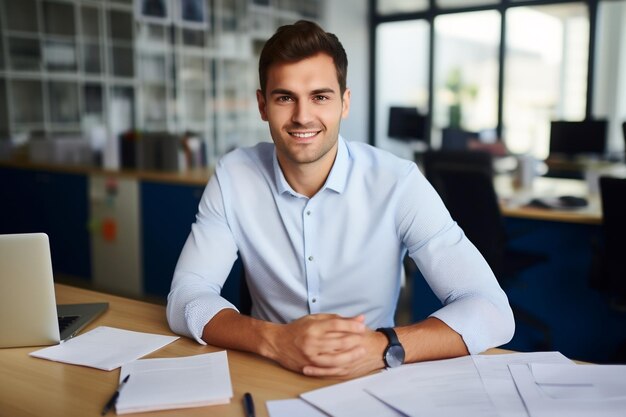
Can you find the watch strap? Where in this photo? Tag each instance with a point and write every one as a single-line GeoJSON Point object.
{"type": "Point", "coordinates": [391, 335]}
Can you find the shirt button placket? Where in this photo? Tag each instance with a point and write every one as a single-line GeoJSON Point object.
{"type": "Point", "coordinates": [312, 275]}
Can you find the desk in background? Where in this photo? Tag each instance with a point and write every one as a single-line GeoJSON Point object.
{"type": "Point", "coordinates": [513, 201]}
{"type": "Point", "coordinates": [561, 292]}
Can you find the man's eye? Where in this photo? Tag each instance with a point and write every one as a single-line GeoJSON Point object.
{"type": "Point", "coordinates": [284, 99]}
{"type": "Point", "coordinates": [320, 98]}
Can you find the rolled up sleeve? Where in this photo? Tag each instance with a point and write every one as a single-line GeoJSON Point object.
{"type": "Point", "coordinates": [474, 304]}
{"type": "Point", "coordinates": [203, 266]}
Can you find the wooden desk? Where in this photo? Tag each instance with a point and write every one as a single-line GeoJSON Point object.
{"type": "Point", "coordinates": [38, 387]}
{"type": "Point", "coordinates": [513, 202]}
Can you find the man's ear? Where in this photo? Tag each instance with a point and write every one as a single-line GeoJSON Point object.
{"type": "Point", "coordinates": [260, 99]}
{"type": "Point", "coordinates": [345, 103]}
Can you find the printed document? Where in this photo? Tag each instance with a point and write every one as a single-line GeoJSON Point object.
{"type": "Point", "coordinates": [169, 383]}
{"type": "Point", "coordinates": [105, 348]}
{"type": "Point", "coordinates": [450, 387]}
{"type": "Point", "coordinates": [291, 408]}
{"type": "Point", "coordinates": [349, 399]}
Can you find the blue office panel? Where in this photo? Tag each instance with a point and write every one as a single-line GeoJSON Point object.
{"type": "Point", "coordinates": [167, 213]}
{"type": "Point", "coordinates": [52, 203]}
{"type": "Point", "coordinates": [19, 201]}
{"type": "Point", "coordinates": [65, 208]}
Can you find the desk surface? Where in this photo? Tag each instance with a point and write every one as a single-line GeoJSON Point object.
{"type": "Point", "coordinates": [513, 201]}
{"type": "Point", "coordinates": [37, 387]}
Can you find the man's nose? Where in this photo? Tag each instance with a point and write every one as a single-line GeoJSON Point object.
{"type": "Point", "coordinates": [303, 113]}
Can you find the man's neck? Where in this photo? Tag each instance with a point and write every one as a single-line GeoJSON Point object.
{"type": "Point", "coordinates": [308, 179]}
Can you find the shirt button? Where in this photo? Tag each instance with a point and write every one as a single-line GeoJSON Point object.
{"type": "Point", "coordinates": [314, 300]}
{"type": "Point", "coordinates": [308, 213]}
{"type": "Point", "coordinates": [310, 258]}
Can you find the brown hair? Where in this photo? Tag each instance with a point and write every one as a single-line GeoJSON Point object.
{"type": "Point", "coordinates": [303, 39]}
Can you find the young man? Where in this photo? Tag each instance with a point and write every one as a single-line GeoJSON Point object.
{"type": "Point", "coordinates": [322, 226]}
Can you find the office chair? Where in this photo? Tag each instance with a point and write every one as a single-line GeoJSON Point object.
{"type": "Point", "coordinates": [624, 133]}
{"type": "Point", "coordinates": [464, 180]}
{"type": "Point", "coordinates": [610, 271]}
{"type": "Point", "coordinates": [613, 196]}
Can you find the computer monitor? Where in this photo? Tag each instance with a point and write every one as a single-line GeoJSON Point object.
{"type": "Point", "coordinates": [406, 123]}
{"type": "Point", "coordinates": [575, 138]}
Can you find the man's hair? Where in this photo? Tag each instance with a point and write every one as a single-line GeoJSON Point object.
{"type": "Point", "coordinates": [303, 39]}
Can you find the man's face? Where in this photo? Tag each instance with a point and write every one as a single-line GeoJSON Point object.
{"type": "Point", "coordinates": [304, 107]}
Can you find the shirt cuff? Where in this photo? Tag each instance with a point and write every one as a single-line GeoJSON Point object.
{"type": "Point", "coordinates": [201, 310]}
{"type": "Point", "coordinates": [485, 327]}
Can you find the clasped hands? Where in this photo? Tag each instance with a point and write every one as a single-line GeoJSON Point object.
{"type": "Point", "coordinates": [328, 345]}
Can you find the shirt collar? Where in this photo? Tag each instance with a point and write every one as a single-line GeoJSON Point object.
{"type": "Point", "coordinates": [336, 180]}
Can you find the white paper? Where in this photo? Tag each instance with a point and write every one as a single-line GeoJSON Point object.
{"type": "Point", "coordinates": [348, 399]}
{"type": "Point", "coordinates": [441, 388]}
{"type": "Point", "coordinates": [498, 383]}
{"type": "Point", "coordinates": [539, 404]}
{"type": "Point", "coordinates": [168, 383]}
{"type": "Point", "coordinates": [593, 382]}
{"type": "Point", "coordinates": [578, 374]}
{"type": "Point", "coordinates": [291, 408]}
{"type": "Point", "coordinates": [105, 348]}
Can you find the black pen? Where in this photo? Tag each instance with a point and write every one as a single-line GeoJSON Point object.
{"type": "Point", "coordinates": [248, 404]}
{"type": "Point", "coordinates": [113, 398]}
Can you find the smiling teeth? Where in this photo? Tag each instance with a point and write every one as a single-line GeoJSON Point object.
{"type": "Point", "coordinates": [304, 135]}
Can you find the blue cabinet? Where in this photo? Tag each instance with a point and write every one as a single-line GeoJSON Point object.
{"type": "Point", "coordinates": [167, 213]}
{"type": "Point", "coordinates": [53, 203]}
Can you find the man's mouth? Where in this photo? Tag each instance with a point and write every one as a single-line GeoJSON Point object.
{"type": "Point", "coordinates": [304, 135]}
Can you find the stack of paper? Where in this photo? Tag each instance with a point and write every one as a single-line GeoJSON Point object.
{"type": "Point", "coordinates": [105, 348]}
{"type": "Point", "coordinates": [466, 386]}
{"type": "Point", "coordinates": [162, 384]}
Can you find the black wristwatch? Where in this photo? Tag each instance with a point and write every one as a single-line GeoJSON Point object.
{"type": "Point", "coordinates": [394, 352]}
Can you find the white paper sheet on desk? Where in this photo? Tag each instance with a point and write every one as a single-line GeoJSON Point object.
{"type": "Point", "coordinates": [349, 399]}
{"type": "Point", "coordinates": [593, 382]}
{"type": "Point", "coordinates": [169, 383]}
{"type": "Point", "coordinates": [105, 348]}
{"type": "Point", "coordinates": [293, 407]}
{"type": "Point", "coordinates": [494, 372]}
{"type": "Point", "coordinates": [441, 388]}
{"type": "Point", "coordinates": [539, 404]}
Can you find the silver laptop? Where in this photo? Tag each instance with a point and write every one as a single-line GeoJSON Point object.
{"type": "Point", "coordinates": [29, 315]}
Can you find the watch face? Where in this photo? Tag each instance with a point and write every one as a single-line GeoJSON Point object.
{"type": "Point", "coordinates": [394, 356]}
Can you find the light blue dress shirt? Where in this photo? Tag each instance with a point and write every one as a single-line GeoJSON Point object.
{"type": "Point", "coordinates": [338, 252]}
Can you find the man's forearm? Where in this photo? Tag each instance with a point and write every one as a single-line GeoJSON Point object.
{"type": "Point", "coordinates": [232, 330]}
{"type": "Point", "coordinates": [430, 339]}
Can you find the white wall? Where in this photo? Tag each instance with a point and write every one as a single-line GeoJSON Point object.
{"type": "Point", "coordinates": [348, 20]}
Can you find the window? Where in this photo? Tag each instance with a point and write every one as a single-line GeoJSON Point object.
{"type": "Point", "coordinates": [402, 79]}
{"type": "Point", "coordinates": [545, 72]}
{"type": "Point", "coordinates": [503, 69]}
{"type": "Point", "coordinates": [466, 71]}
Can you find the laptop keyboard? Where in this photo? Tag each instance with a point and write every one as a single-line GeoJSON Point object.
{"type": "Point", "coordinates": [66, 321]}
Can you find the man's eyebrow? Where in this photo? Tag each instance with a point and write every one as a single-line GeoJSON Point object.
{"type": "Point", "coordinates": [283, 91]}
{"type": "Point", "coordinates": [322, 91]}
